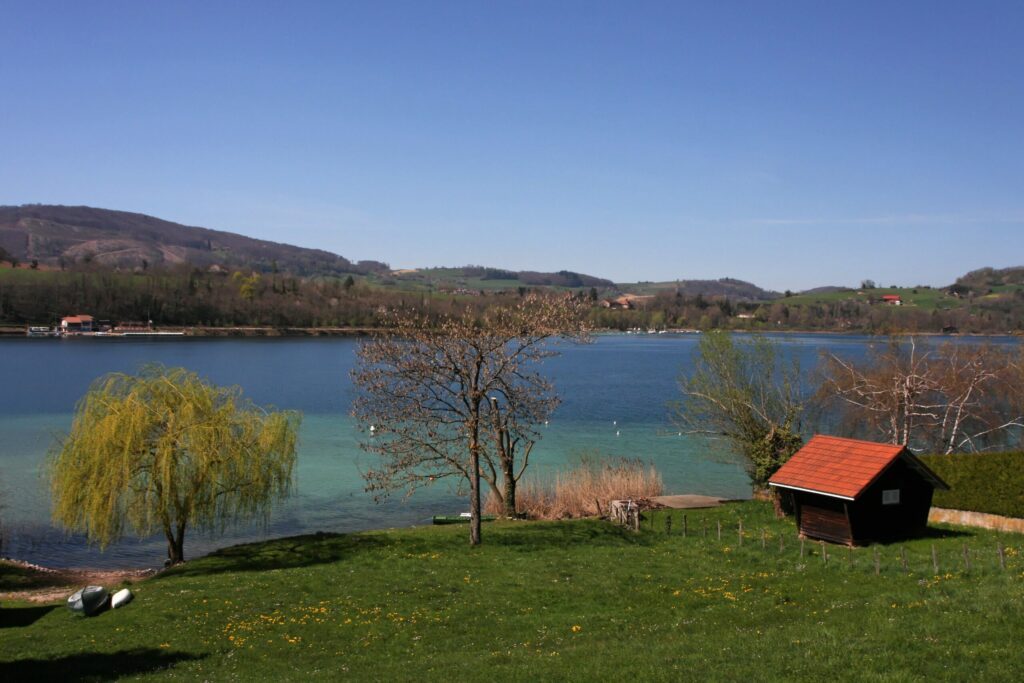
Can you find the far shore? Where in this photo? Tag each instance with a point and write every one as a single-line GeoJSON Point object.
{"type": "Point", "coordinates": [257, 331]}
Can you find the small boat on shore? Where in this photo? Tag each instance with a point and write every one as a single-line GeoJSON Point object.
{"type": "Point", "coordinates": [462, 518]}
{"type": "Point", "coordinates": [88, 601]}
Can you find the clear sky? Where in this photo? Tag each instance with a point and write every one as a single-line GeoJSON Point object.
{"type": "Point", "coordinates": [793, 144]}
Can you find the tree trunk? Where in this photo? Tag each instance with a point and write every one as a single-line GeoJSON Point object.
{"type": "Point", "coordinates": [510, 491]}
{"type": "Point", "coordinates": [176, 545]}
{"type": "Point", "coordinates": [782, 503]}
{"type": "Point", "coordinates": [474, 467]}
{"type": "Point", "coordinates": [474, 499]}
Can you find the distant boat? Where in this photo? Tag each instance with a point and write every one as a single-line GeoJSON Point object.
{"type": "Point", "coordinates": [39, 332]}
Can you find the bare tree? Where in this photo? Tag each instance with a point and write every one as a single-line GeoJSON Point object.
{"type": "Point", "coordinates": [942, 399]}
{"type": "Point", "coordinates": [461, 396]}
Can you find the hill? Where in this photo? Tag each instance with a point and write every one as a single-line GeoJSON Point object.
{"type": "Point", "coordinates": [565, 601]}
{"type": "Point", "coordinates": [987, 281]}
{"type": "Point", "coordinates": [482, 278]}
{"type": "Point", "coordinates": [68, 235]}
{"type": "Point", "coordinates": [737, 290]}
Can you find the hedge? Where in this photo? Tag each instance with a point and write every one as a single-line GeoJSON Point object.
{"type": "Point", "coordinates": [980, 482]}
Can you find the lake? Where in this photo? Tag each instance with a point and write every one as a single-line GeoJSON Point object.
{"type": "Point", "coordinates": [623, 379]}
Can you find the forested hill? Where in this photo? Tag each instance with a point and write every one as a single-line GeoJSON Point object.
{"type": "Point", "coordinates": [727, 287]}
{"type": "Point", "coordinates": [69, 235]}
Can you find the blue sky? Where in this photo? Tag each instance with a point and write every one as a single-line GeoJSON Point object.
{"type": "Point", "coordinates": [793, 144]}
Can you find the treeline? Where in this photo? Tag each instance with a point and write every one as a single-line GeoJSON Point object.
{"type": "Point", "coordinates": [563, 278]}
{"type": "Point", "coordinates": [186, 296]}
{"type": "Point", "coordinates": [668, 310]}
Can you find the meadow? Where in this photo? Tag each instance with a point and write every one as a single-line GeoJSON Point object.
{"type": "Point", "coordinates": [569, 600]}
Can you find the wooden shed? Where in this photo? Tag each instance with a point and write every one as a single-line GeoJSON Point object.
{"type": "Point", "coordinates": [852, 492]}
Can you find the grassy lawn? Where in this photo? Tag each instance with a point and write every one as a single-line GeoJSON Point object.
{"type": "Point", "coordinates": [579, 600]}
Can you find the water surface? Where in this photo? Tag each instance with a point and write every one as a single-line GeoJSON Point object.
{"type": "Point", "coordinates": [615, 394]}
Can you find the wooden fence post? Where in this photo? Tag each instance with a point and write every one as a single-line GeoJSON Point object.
{"type": "Point", "coordinates": [741, 533]}
{"type": "Point", "coordinates": [1002, 555]}
{"type": "Point", "coordinates": [967, 559]}
{"type": "Point", "coordinates": [878, 563]}
{"type": "Point", "coordinates": [903, 557]}
{"type": "Point", "coordinates": [824, 553]}
{"type": "Point", "coordinates": [684, 525]}
{"type": "Point", "coordinates": [935, 559]}
{"type": "Point", "coordinates": [782, 543]}
{"type": "Point", "coordinates": [719, 530]}
{"type": "Point", "coordinates": [668, 524]}
{"type": "Point", "coordinates": [704, 528]}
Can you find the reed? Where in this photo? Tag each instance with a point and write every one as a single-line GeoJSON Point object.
{"type": "Point", "coordinates": [584, 490]}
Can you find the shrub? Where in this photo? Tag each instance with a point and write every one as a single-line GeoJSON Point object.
{"type": "Point", "coordinates": [982, 482]}
{"type": "Point", "coordinates": [578, 491]}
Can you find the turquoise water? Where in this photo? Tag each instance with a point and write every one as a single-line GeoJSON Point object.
{"type": "Point", "coordinates": [625, 379]}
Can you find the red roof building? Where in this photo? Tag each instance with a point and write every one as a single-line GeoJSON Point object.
{"type": "Point", "coordinates": [851, 491]}
{"type": "Point", "coordinates": [76, 323]}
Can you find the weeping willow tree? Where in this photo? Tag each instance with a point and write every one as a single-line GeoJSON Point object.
{"type": "Point", "coordinates": [163, 450]}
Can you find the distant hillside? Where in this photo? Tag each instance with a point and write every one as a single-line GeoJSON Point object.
{"type": "Point", "coordinates": [989, 280]}
{"type": "Point", "coordinates": [484, 278]}
{"type": "Point", "coordinates": [827, 289]}
{"type": "Point", "coordinates": [69, 235]}
{"type": "Point", "coordinates": [734, 289]}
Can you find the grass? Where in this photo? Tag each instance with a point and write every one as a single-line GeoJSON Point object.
{"type": "Point", "coordinates": [577, 600]}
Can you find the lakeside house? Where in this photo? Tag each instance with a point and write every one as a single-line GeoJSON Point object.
{"type": "Point", "coordinates": [73, 324]}
{"type": "Point", "coordinates": [852, 492]}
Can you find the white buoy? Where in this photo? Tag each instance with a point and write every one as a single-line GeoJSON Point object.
{"type": "Point", "coordinates": [615, 422]}
{"type": "Point", "coordinates": [545, 421]}
{"type": "Point", "coordinates": [616, 432]}
{"type": "Point", "coordinates": [372, 429]}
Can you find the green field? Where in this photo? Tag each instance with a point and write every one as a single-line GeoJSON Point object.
{"type": "Point", "coordinates": [927, 299]}
{"type": "Point", "coordinates": [576, 600]}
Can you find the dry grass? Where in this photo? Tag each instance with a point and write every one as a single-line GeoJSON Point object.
{"type": "Point", "coordinates": [584, 490]}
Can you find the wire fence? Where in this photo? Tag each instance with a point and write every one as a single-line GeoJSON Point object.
{"type": "Point", "coordinates": [878, 558]}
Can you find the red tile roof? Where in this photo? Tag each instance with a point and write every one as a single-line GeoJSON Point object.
{"type": "Point", "coordinates": [836, 466]}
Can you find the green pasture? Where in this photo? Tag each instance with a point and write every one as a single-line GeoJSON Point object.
{"type": "Point", "coordinates": [573, 600]}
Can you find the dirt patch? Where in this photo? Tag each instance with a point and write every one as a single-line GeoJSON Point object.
{"type": "Point", "coordinates": [33, 583]}
{"type": "Point", "coordinates": [687, 501]}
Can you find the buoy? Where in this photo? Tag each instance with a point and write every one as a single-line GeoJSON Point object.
{"type": "Point", "coordinates": [372, 429]}
{"type": "Point", "coordinates": [616, 432]}
{"type": "Point", "coordinates": [615, 422]}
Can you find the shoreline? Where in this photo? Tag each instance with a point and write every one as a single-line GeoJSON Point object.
{"type": "Point", "coordinates": [36, 583]}
{"type": "Point", "coordinates": [262, 332]}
